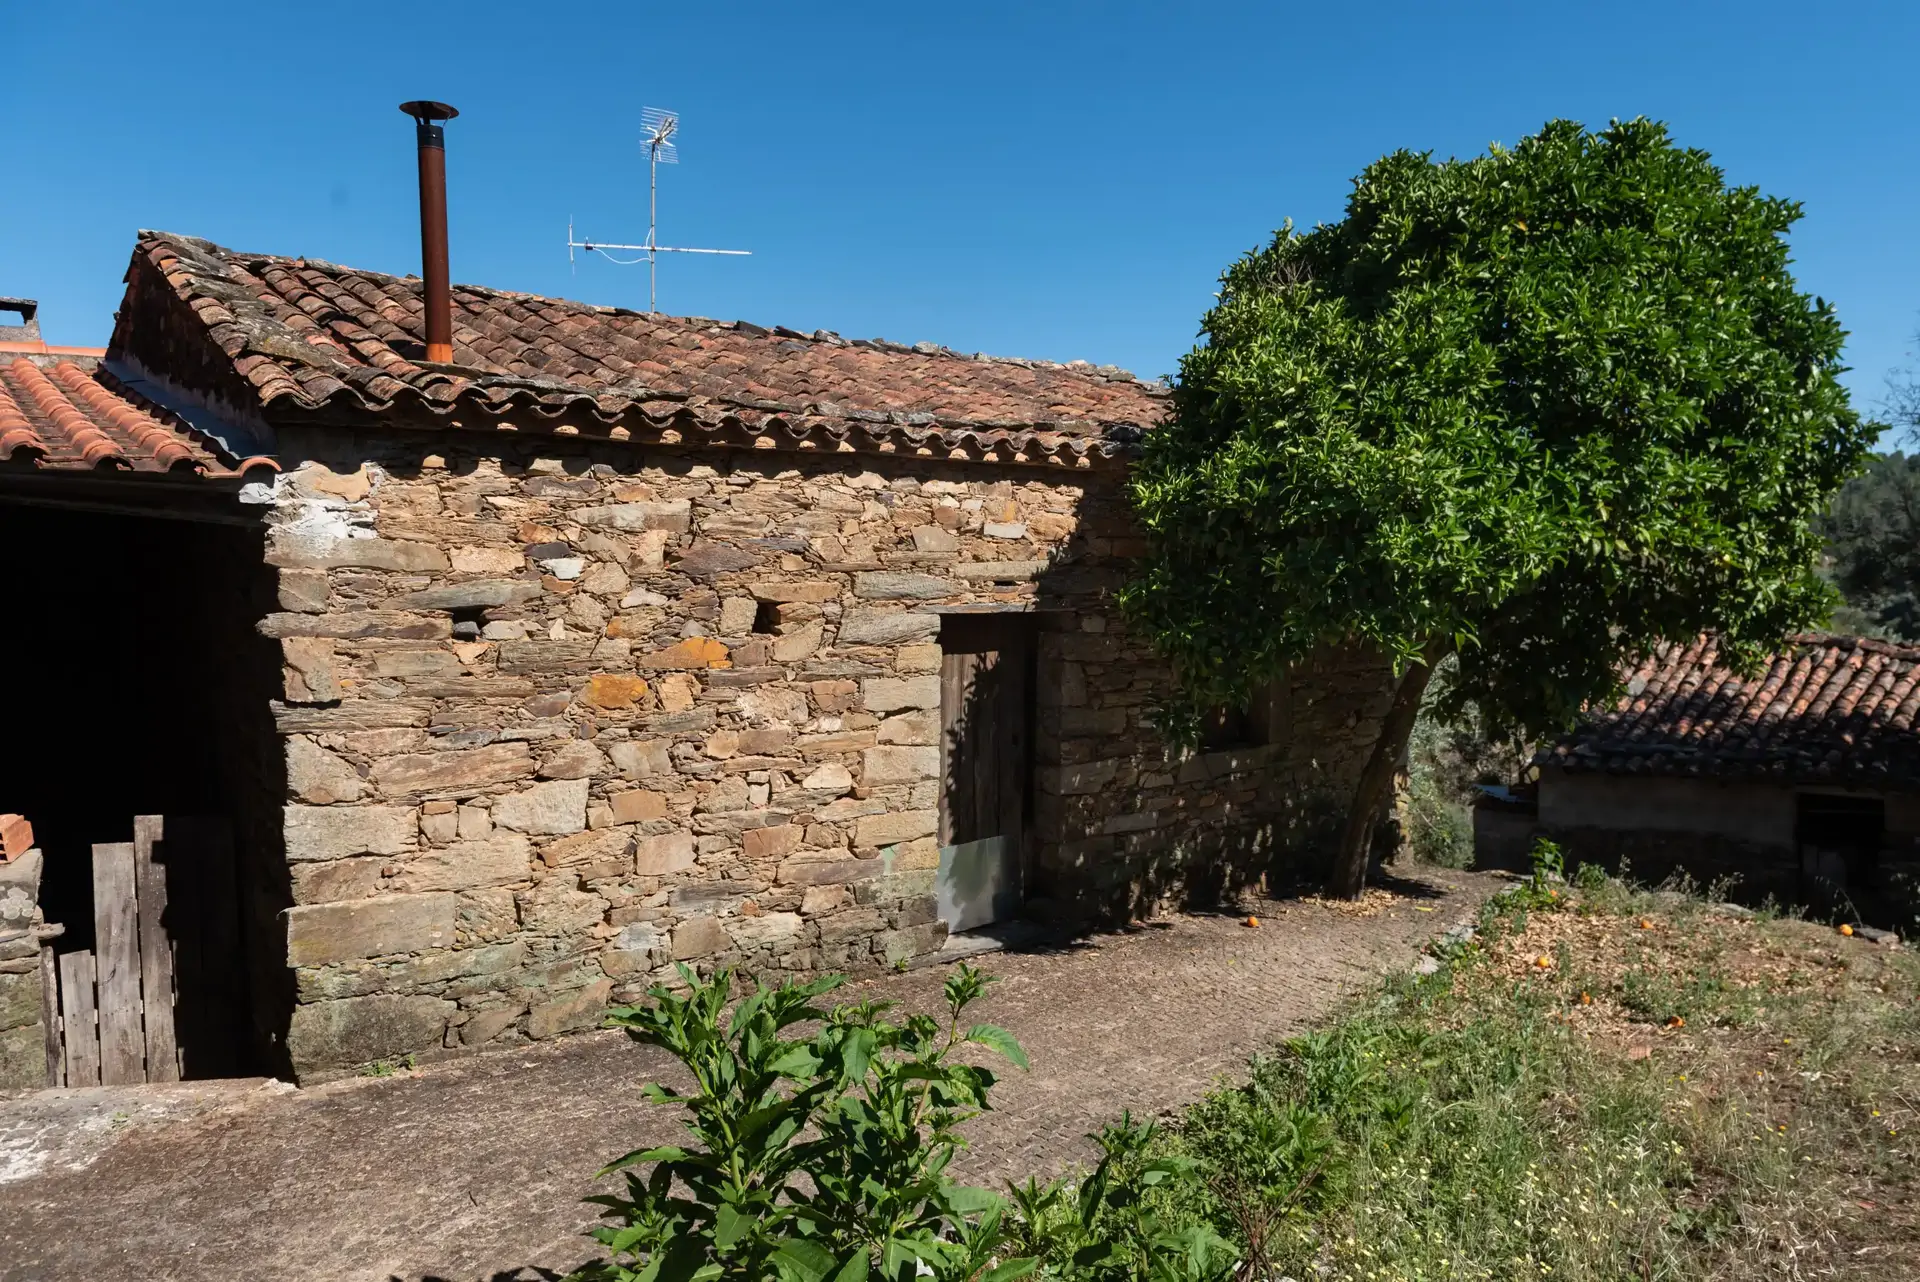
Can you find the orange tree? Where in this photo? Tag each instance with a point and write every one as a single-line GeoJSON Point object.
{"type": "Point", "coordinates": [1540, 410]}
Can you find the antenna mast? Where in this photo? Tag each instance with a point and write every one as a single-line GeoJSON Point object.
{"type": "Point", "coordinates": [660, 128]}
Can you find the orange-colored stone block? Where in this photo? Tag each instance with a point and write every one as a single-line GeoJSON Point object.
{"type": "Point", "coordinates": [610, 690]}
{"type": "Point", "coordinates": [694, 652]}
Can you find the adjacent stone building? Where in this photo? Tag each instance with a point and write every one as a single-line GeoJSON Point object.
{"type": "Point", "coordinates": [1801, 783]}
{"type": "Point", "coordinates": [617, 641]}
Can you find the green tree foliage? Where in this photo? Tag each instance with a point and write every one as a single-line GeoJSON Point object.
{"type": "Point", "coordinates": [1539, 409]}
{"type": "Point", "coordinates": [1873, 548]}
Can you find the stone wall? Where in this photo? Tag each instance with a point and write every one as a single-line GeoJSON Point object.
{"type": "Point", "coordinates": [557, 716]}
{"type": "Point", "coordinates": [1738, 834]}
{"type": "Point", "coordinates": [23, 1048]}
{"type": "Point", "coordinates": [1130, 827]}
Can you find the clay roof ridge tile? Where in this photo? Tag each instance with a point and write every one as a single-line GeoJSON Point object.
{"type": "Point", "coordinates": [1851, 713]}
{"type": "Point", "coordinates": [335, 330]}
{"type": "Point", "coordinates": [17, 435]}
{"type": "Point", "coordinates": [1837, 673]}
{"type": "Point", "coordinates": [1763, 695]}
{"type": "Point", "coordinates": [94, 446]}
{"type": "Point", "coordinates": [1828, 707]}
{"type": "Point", "coordinates": [155, 441]}
{"type": "Point", "coordinates": [1906, 698]}
{"type": "Point", "coordinates": [1877, 680]}
{"type": "Point", "coordinates": [210, 454]}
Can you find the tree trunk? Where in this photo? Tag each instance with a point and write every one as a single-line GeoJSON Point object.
{"type": "Point", "coordinates": [1348, 877]}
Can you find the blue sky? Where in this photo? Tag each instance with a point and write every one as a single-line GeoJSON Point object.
{"type": "Point", "coordinates": [1052, 180]}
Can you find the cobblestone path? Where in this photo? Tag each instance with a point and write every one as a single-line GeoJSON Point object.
{"type": "Point", "coordinates": [472, 1169]}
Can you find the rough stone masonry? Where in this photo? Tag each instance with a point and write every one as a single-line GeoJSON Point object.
{"type": "Point", "coordinates": [561, 714]}
{"type": "Point", "coordinates": [23, 1061]}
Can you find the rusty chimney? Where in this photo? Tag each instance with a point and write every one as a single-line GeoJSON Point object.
{"type": "Point", "coordinates": [433, 224]}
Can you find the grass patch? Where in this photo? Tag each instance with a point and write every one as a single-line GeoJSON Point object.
{"type": "Point", "coordinates": [1605, 1084]}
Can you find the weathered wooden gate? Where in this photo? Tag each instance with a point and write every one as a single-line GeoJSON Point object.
{"type": "Point", "coordinates": [986, 719]}
{"type": "Point", "coordinates": [116, 1012]}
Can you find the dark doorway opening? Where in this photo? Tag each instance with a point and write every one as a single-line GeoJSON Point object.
{"type": "Point", "coordinates": [986, 766]}
{"type": "Point", "coordinates": [1839, 840]}
{"type": "Point", "coordinates": [140, 687]}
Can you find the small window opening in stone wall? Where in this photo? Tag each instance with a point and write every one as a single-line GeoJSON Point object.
{"type": "Point", "coordinates": [1227, 726]}
{"type": "Point", "coordinates": [1254, 724]}
{"type": "Point", "coordinates": [766, 617]}
{"type": "Point", "coordinates": [468, 620]}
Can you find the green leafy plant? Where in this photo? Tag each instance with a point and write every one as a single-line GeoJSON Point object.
{"type": "Point", "coordinates": [1549, 865]}
{"type": "Point", "coordinates": [1120, 1223]}
{"type": "Point", "coordinates": [813, 1158]}
{"type": "Point", "coordinates": [1539, 410]}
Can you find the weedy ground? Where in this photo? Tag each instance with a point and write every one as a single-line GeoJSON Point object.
{"type": "Point", "coordinates": [1607, 1083]}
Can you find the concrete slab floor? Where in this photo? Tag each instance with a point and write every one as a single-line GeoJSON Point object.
{"type": "Point", "coordinates": [473, 1168]}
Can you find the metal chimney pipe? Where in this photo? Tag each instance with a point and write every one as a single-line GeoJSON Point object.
{"type": "Point", "coordinates": [432, 142]}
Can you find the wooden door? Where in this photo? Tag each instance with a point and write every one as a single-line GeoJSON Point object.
{"type": "Point", "coordinates": [160, 987]}
{"type": "Point", "coordinates": [986, 718]}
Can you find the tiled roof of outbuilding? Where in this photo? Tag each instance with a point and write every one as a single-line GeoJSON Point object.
{"type": "Point", "coordinates": [317, 341]}
{"type": "Point", "coordinates": [1828, 709]}
{"type": "Point", "coordinates": [68, 414]}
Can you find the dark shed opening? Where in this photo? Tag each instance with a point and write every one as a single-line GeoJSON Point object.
{"type": "Point", "coordinates": [140, 688]}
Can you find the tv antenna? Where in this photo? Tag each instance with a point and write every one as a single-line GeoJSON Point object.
{"type": "Point", "coordinates": [660, 128]}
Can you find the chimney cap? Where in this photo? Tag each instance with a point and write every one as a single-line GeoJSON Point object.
{"type": "Point", "coordinates": [28, 330]}
{"type": "Point", "coordinates": [425, 110]}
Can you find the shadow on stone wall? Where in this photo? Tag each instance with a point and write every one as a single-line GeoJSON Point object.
{"type": "Point", "coordinates": [1747, 873]}
{"type": "Point", "coordinates": [1127, 824]}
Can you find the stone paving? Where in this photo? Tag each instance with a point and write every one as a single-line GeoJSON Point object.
{"type": "Point", "coordinates": [472, 1168]}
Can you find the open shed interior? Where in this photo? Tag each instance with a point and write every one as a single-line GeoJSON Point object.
{"type": "Point", "coordinates": [139, 687]}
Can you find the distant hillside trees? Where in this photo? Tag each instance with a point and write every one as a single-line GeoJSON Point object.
{"type": "Point", "coordinates": [1873, 549]}
{"type": "Point", "coordinates": [1873, 530]}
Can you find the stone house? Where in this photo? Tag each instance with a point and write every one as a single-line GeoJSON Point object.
{"type": "Point", "coordinates": [1802, 783]}
{"type": "Point", "coordinates": [608, 641]}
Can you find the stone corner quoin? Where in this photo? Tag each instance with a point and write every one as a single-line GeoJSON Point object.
{"type": "Point", "coordinates": [558, 715]}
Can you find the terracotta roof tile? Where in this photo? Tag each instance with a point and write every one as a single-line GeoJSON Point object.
{"type": "Point", "coordinates": [68, 414]}
{"type": "Point", "coordinates": [317, 340]}
{"type": "Point", "coordinates": [1828, 709]}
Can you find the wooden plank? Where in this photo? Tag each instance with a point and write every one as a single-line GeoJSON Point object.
{"type": "Point", "coordinates": [983, 773]}
{"type": "Point", "coordinates": [954, 669]}
{"type": "Point", "coordinates": [190, 1017]}
{"type": "Point", "coordinates": [116, 949]}
{"type": "Point", "coordinates": [199, 855]}
{"type": "Point", "coordinates": [226, 994]}
{"type": "Point", "coordinates": [1012, 717]}
{"type": "Point", "coordinates": [50, 1013]}
{"type": "Point", "coordinates": [79, 1036]}
{"type": "Point", "coordinates": [986, 760]}
{"type": "Point", "coordinates": [156, 950]}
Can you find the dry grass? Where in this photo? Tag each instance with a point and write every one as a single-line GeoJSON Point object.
{"type": "Point", "coordinates": [1607, 1084]}
{"type": "Point", "coordinates": [1786, 1054]}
